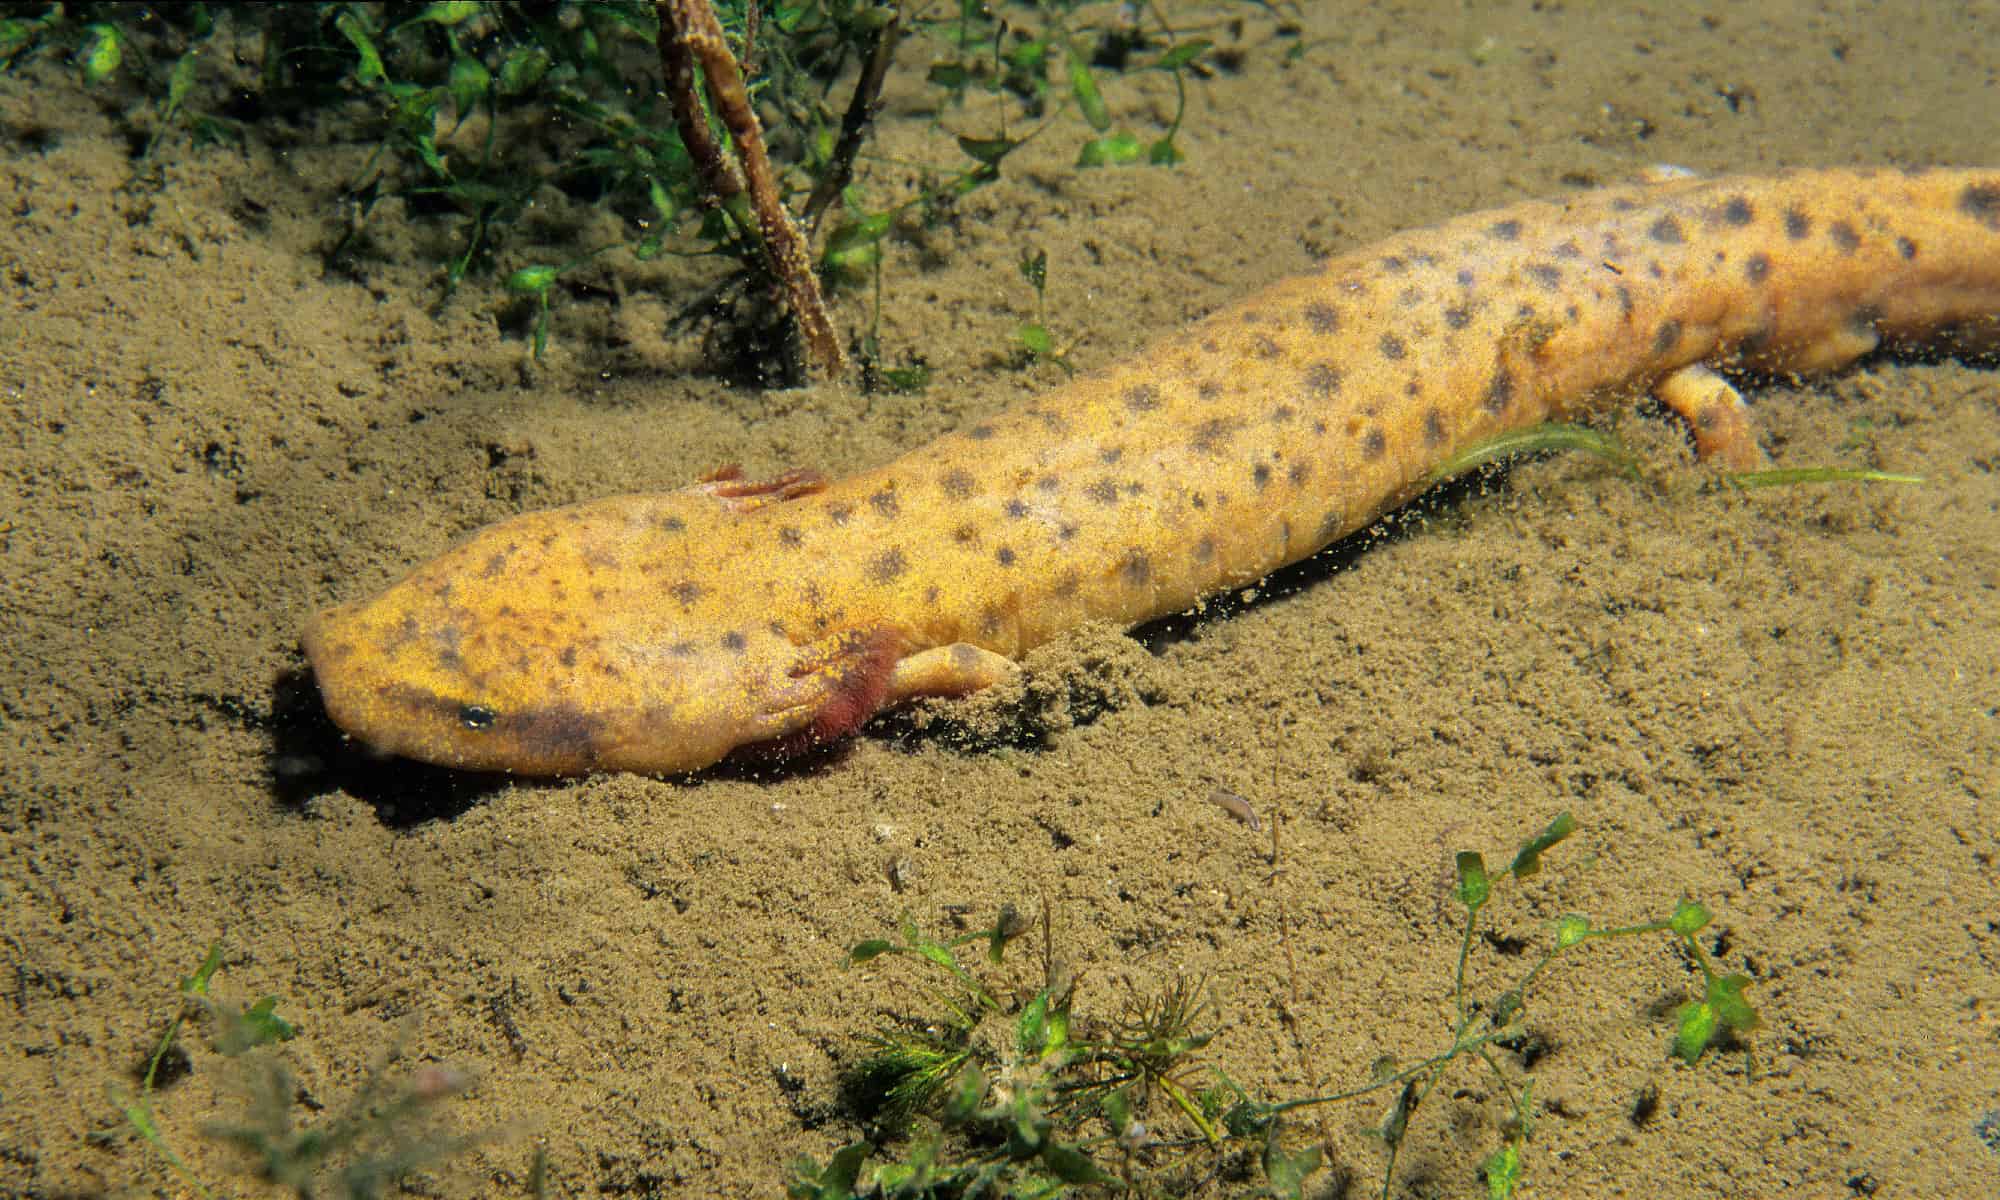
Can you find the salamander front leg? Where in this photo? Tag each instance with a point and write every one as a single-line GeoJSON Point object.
{"type": "Point", "coordinates": [1715, 411]}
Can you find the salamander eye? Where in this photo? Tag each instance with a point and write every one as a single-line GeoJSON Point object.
{"type": "Point", "coordinates": [476, 716]}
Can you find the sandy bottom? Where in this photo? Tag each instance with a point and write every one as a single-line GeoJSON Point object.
{"type": "Point", "coordinates": [1782, 703]}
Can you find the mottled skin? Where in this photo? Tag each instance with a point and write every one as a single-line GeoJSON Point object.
{"type": "Point", "coordinates": [660, 633]}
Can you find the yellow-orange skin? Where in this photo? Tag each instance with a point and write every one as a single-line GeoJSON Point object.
{"type": "Point", "coordinates": [658, 633]}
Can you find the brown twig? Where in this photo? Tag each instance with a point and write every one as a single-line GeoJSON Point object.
{"type": "Point", "coordinates": [690, 36]}
{"type": "Point", "coordinates": [860, 114]}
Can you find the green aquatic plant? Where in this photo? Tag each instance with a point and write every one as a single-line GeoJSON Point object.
{"type": "Point", "coordinates": [478, 112]}
{"type": "Point", "coordinates": [359, 1150]}
{"type": "Point", "coordinates": [1008, 1091]}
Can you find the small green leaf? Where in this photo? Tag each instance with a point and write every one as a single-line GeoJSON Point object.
{"type": "Point", "coordinates": [1183, 54]}
{"type": "Point", "coordinates": [833, 1182]}
{"type": "Point", "coordinates": [535, 281]}
{"type": "Point", "coordinates": [950, 75]}
{"type": "Point", "coordinates": [865, 232]}
{"type": "Point", "coordinates": [1032, 1030]}
{"type": "Point", "coordinates": [1698, 1023]}
{"type": "Point", "coordinates": [1117, 1109]}
{"type": "Point", "coordinates": [102, 53]}
{"type": "Point", "coordinates": [1725, 995]}
{"type": "Point", "coordinates": [14, 37]}
{"type": "Point", "coordinates": [1109, 150]}
{"type": "Point", "coordinates": [1473, 884]}
{"type": "Point", "coordinates": [179, 83]}
{"type": "Point", "coordinates": [262, 1024]}
{"type": "Point", "coordinates": [1072, 1165]}
{"type": "Point", "coordinates": [1164, 153]}
{"type": "Point", "coordinates": [523, 69]}
{"type": "Point", "coordinates": [1528, 859]}
{"type": "Point", "coordinates": [470, 81]}
{"type": "Point", "coordinates": [1035, 340]}
{"type": "Point", "coordinates": [1571, 930]}
{"type": "Point", "coordinates": [197, 983]}
{"type": "Point", "coordinates": [1285, 1172]}
{"type": "Point", "coordinates": [966, 1093]}
{"type": "Point", "coordinates": [370, 71]}
{"type": "Point", "coordinates": [867, 951]}
{"type": "Point", "coordinates": [1397, 1123]}
{"type": "Point", "coordinates": [1088, 99]}
{"type": "Point", "coordinates": [987, 150]}
{"type": "Point", "coordinates": [911, 379]}
{"type": "Point", "coordinates": [1689, 918]}
{"type": "Point", "coordinates": [663, 203]}
{"type": "Point", "coordinates": [1035, 268]}
{"type": "Point", "coordinates": [1503, 1171]}
{"type": "Point", "coordinates": [447, 12]}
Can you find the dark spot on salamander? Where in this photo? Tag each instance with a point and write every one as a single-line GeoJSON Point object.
{"type": "Point", "coordinates": [1457, 317]}
{"type": "Point", "coordinates": [980, 432]}
{"type": "Point", "coordinates": [568, 656]}
{"type": "Point", "coordinates": [790, 537]}
{"type": "Point", "coordinates": [1392, 346]}
{"type": "Point", "coordinates": [1548, 275]}
{"type": "Point", "coordinates": [1142, 397]}
{"type": "Point", "coordinates": [1906, 248]}
{"type": "Point", "coordinates": [887, 566]}
{"type": "Point", "coordinates": [1666, 337]}
{"type": "Point", "coordinates": [1625, 305]}
{"type": "Point", "coordinates": [1374, 443]}
{"type": "Point", "coordinates": [885, 503]}
{"type": "Point", "coordinates": [1981, 202]}
{"type": "Point", "coordinates": [1137, 569]}
{"type": "Point", "coordinates": [1212, 435]}
{"type": "Point", "coordinates": [1208, 389]}
{"type": "Point", "coordinates": [1499, 392]}
{"type": "Point", "coordinates": [1298, 473]}
{"type": "Point", "coordinates": [1666, 231]}
{"type": "Point", "coordinates": [1204, 550]}
{"type": "Point", "coordinates": [1798, 226]}
{"type": "Point", "coordinates": [1394, 265]}
{"type": "Point", "coordinates": [957, 483]}
{"type": "Point", "coordinates": [1757, 268]}
{"type": "Point", "coordinates": [735, 642]}
{"type": "Point", "coordinates": [1504, 231]}
{"type": "Point", "coordinates": [1048, 483]}
{"type": "Point", "coordinates": [672, 524]}
{"type": "Point", "coordinates": [1322, 379]}
{"type": "Point", "coordinates": [1016, 509]}
{"type": "Point", "coordinates": [1110, 454]}
{"type": "Point", "coordinates": [1434, 431]}
{"type": "Point", "coordinates": [1263, 347]}
{"type": "Point", "coordinates": [1322, 317]}
{"type": "Point", "coordinates": [1004, 556]}
{"type": "Point", "coordinates": [1104, 492]}
{"type": "Point", "coordinates": [1843, 236]}
{"type": "Point", "coordinates": [965, 534]}
{"type": "Point", "coordinates": [1283, 414]}
{"type": "Point", "coordinates": [1465, 277]}
{"type": "Point", "coordinates": [1738, 212]}
{"type": "Point", "coordinates": [687, 591]}
{"type": "Point", "coordinates": [839, 513]}
{"type": "Point", "coordinates": [1261, 475]}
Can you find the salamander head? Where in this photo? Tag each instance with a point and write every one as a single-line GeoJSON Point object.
{"type": "Point", "coordinates": [556, 655]}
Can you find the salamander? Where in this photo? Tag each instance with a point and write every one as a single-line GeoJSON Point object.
{"type": "Point", "coordinates": [660, 633]}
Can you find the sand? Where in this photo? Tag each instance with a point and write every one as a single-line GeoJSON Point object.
{"type": "Point", "coordinates": [1782, 703]}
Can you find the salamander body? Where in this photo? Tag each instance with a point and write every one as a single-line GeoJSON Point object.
{"type": "Point", "coordinates": [659, 633]}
